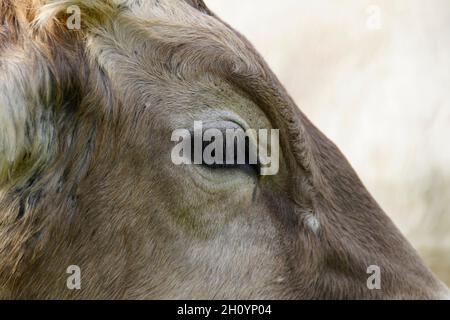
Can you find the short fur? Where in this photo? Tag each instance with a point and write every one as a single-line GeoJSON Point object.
{"type": "Point", "coordinates": [86, 176]}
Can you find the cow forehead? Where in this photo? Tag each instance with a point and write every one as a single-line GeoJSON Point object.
{"type": "Point", "coordinates": [197, 4]}
{"type": "Point", "coordinates": [173, 22]}
{"type": "Point", "coordinates": [100, 10]}
{"type": "Point", "coordinates": [190, 40]}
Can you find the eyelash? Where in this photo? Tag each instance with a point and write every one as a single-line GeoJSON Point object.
{"type": "Point", "coordinates": [254, 168]}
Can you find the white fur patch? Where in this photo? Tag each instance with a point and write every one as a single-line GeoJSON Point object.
{"type": "Point", "coordinates": [313, 223]}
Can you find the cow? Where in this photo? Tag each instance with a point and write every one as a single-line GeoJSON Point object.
{"type": "Point", "coordinates": [88, 187]}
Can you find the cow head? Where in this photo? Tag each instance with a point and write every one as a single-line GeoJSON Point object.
{"type": "Point", "coordinates": [86, 117]}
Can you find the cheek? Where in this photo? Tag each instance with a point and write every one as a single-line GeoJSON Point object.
{"type": "Point", "coordinates": [206, 212]}
{"type": "Point", "coordinates": [204, 203]}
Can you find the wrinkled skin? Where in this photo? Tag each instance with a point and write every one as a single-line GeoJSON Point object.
{"type": "Point", "coordinates": [91, 182]}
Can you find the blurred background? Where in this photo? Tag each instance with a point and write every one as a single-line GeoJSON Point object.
{"type": "Point", "coordinates": [374, 76]}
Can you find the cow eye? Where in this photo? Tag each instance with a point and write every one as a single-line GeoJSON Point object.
{"type": "Point", "coordinates": [227, 153]}
{"type": "Point", "coordinates": [236, 156]}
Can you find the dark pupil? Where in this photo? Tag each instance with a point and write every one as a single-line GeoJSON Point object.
{"type": "Point", "coordinates": [238, 149]}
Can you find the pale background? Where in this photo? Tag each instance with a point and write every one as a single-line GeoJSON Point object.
{"type": "Point", "coordinates": [374, 76]}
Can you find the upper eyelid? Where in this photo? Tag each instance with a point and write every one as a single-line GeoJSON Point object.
{"type": "Point", "coordinates": [222, 125]}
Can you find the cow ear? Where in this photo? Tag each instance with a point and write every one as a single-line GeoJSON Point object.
{"type": "Point", "coordinates": [26, 127]}
{"type": "Point", "coordinates": [200, 5]}
{"type": "Point", "coordinates": [26, 107]}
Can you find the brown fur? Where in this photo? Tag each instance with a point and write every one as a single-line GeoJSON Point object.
{"type": "Point", "coordinates": [86, 176]}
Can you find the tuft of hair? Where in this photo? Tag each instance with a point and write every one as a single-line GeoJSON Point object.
{"type": "Point", "coordinates": [32, 76]}
{"type": "Point", "coordinates": [92, 12]}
